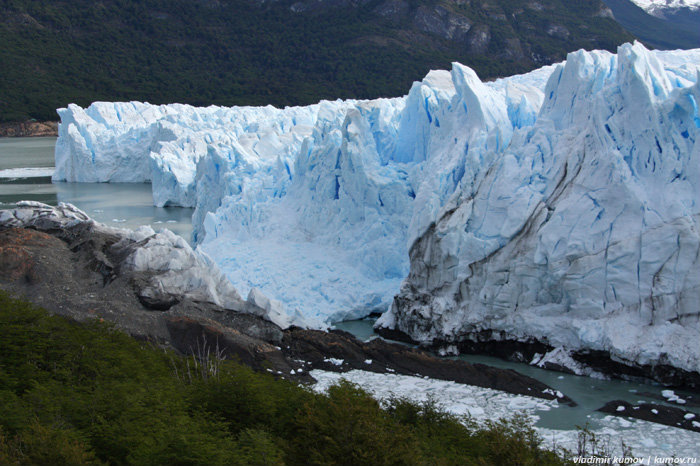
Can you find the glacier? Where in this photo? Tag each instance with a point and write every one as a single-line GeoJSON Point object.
{"type": "Point", "coordinates": [312, 205]}
{"type": "Point", "coordinates": [560, 205]}
{"type": "Point", "coordinates": [583, 234]}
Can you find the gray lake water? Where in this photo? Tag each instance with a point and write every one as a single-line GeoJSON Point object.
{"type": "Point", "coordinates": [589, 393]}
{"type": "Point", "coordinates": [123, 205]}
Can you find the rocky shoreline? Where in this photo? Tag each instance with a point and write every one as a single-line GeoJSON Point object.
{"type": "Point", "coordinates": [584, 362]}
{"type": "Point", "coordinates": [154, 287]}
{"type": "Point", "coordinates": [29, 128]}
{"type": "Point", "coordinates": [652, 412]}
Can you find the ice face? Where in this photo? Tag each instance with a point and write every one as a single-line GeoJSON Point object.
{"type": "Point", "coordinates": [583, 234]}
{"type": "Point", "coordinates": [568, 193]}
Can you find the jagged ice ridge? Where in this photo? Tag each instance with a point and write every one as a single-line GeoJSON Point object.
{"type": "Point", "coordinates": [560, 205]}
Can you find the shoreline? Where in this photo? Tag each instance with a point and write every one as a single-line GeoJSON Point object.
{"type": "Point", "coordinates": [29, 128]}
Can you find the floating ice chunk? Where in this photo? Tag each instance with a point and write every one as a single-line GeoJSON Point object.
{"type": "Point", "coordinates": [334, 361]}
{"type": "Point", "coordinates": [12, 173]}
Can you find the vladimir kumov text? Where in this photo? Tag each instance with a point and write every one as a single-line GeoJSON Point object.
{"type": "Point", "coordinates": [635, 460]}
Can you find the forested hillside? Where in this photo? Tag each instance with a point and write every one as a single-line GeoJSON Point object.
{"type": "Point", "coordinates": [676, 30]}
{"type": "Point", "coordinates": [242, 52]}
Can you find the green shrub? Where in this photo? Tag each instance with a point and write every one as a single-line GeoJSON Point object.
{"type": "Point", "coordinates": [41, 444]}
{"type": "Point", "coordinates": [347, 427]}
{"type": "Point", "coordinates": [88, 394]}
{"type": "Point", "coordinates": [259, 448]}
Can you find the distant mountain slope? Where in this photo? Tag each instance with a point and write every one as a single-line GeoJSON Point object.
{"type": "Point", "coordinates": [663, 7]}
{"type": "Point", "coordinates": [674, 29]}
{"type": "Point", "coordinates": [278, 52]}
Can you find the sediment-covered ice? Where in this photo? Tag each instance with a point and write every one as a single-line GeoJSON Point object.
{"type": "Point", "coordinates": [560, 205]}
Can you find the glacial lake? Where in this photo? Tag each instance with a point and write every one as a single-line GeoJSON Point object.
{"type": "Point", "coordinates": [26, 165]}
{"type": "Point", "coordinates": [589, 393]}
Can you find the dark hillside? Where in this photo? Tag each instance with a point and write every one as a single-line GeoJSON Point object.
{"type": "Point", "coordinates": [241, 52]}
{"type": "Point", "coordinates": [678, 31]}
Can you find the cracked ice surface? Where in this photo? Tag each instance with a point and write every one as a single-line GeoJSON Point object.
{"type": "Point", "coordinates": [644, 438]}
{"type": "Point", "coordinates": [583, 233]}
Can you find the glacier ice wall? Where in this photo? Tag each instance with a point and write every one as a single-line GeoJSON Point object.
{"type": "Point", "coordinates": [559, 205]}
{"type": "Point", "coordinates": [315, 206]}
{"type": "Point", "coordinates": [583, 234]}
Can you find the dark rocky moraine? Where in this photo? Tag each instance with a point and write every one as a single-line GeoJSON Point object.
{"type": "Point", "coordinates": [652, 412]}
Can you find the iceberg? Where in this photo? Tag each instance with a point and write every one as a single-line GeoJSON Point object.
{"type": "Point", "coordinates": [560, 205]}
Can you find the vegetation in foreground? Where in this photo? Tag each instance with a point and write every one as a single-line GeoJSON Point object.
{"type": "Point", "coordinates": [83, 394]}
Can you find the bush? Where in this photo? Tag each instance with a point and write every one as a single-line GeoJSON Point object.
{"type": "Point", "coordinates": [88, 394]}
{"type": "Point", "coordinates": [40, 444]}
{"type": "Point", "coordinates": [347, 427]}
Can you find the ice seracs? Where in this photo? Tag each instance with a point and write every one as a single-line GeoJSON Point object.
{"type": "Point", "coordinates": [557, 206]}
{"type": "Point", "coordinates": [584, 232]}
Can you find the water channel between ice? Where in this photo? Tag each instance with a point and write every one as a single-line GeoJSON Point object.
{"type": "Point", "coordinates": [26, 165]}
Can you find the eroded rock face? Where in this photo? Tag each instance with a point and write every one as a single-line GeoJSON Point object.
{"type": "Point", "coordinates": [441, 22]}
{"type": "Point", "coordinates": [162, 268]}
{"type": "Point", "coordinates": [479, 38]}
{"type": "Point", "coordinates": [393, 10]}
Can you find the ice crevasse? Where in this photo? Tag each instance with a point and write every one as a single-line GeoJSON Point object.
{"type": "Point", "coordinates": [560, 205]}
